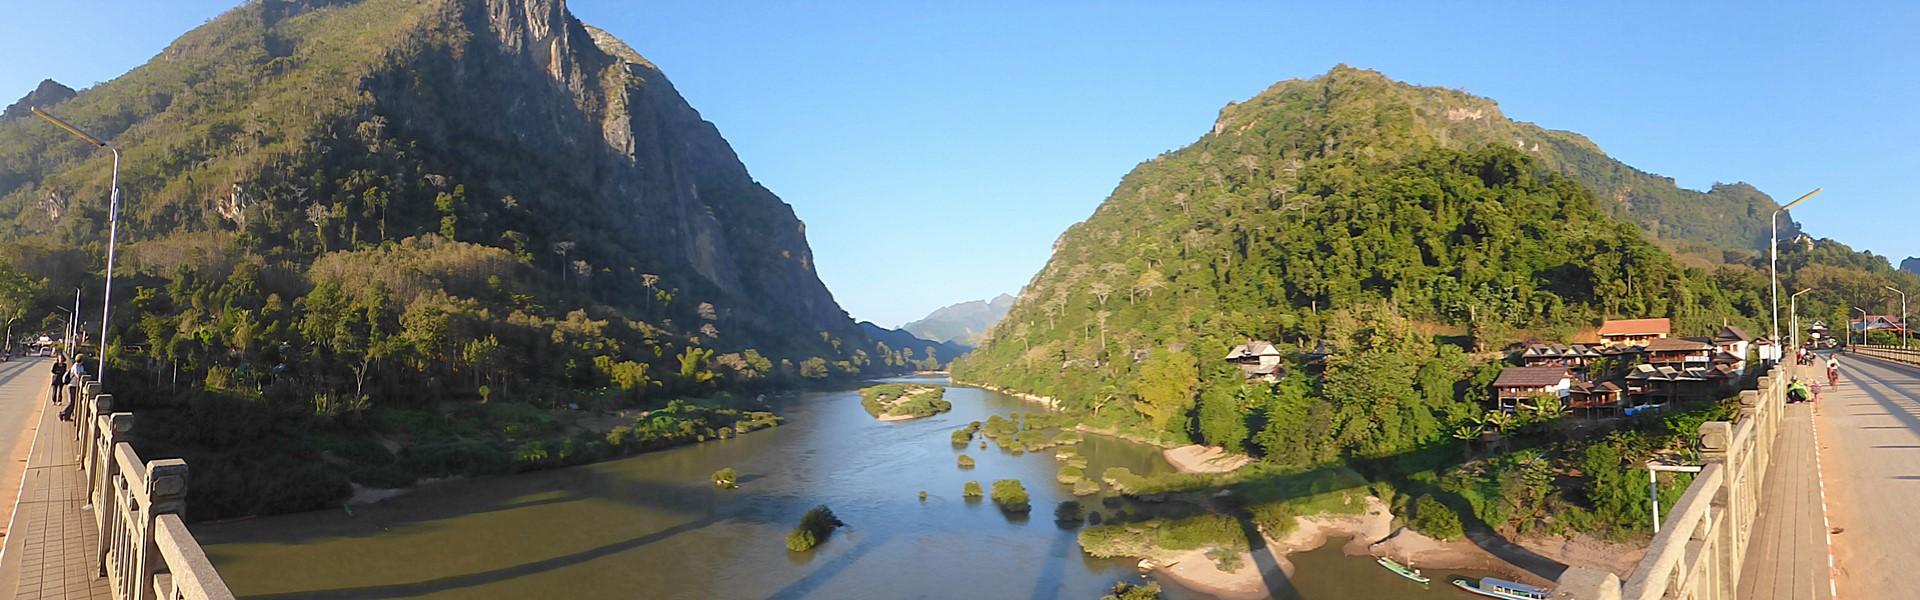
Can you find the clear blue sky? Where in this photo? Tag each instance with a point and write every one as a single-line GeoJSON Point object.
{"type": "Point", "coordinates": [935, 150]}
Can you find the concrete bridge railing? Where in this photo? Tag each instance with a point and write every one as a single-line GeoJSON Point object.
{"type": "Point", "coordinates": [145, 550]}
{"type": "Point", "coordinates": [1703, 540]}
{"type": "Point", "coordinates": [1909, 356]}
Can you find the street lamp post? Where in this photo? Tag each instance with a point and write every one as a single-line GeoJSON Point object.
{"type": "Point", "coordinates": [1793, 315]}
{"type": "Point", "coordinates": [1653, 481]}
{"type": "Point", "coordinates": [1903, 315]}
{"type": "Point", "coordinates": [113, 235]}
{"type": "Point", "coordinates": [1863, 327]}
{"type": "Point", "coordinates": [1773, 260]}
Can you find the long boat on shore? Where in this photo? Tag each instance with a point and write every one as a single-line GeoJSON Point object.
{"type": "Point", "coordinates": [1501, 588]}
{"type": "Point", "coordinates": [1406, 571]}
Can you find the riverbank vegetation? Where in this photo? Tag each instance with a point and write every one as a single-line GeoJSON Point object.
{"type": "Point", "coordinates": [1011, 496]}
{"type": "Point", "coordinates": [726, 479]}
{"type": "Point", "coordinates": [972, 490]}
{"type": "Point", "coordinates": [1125, 590]}
{"type": "Point", "coordinates": [890, 401]}
{"type": "Point", "coordinates": [814, 529]}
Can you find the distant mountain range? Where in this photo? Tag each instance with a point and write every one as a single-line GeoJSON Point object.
{"type": "Point", "coordinates": [1911, 265]}
{"type": "Point", "coordinates": [911, 348]}
{"type": "Point", "coordinates": [965, 323]}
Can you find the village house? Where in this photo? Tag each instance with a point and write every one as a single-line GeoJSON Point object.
{"type": "Point", "coordinates": [1680, 353]}
{"type": "Point", "coordinates": [1520, 384]}
{"type": "Point", "coordinates": [1602, 396]}
{"type": "Point", "coordinates": [1629, 332]}
{"type": "Point", "coordinates": [1730, 347]}
{"type": "Point", "coordinates": [1574, 357]}
{"type": "Point", "coordinates": [1873, 323]}
{"type": "Point", "coordinates": [1258, 359]}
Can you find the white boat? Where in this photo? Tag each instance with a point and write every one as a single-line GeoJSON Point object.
{"type": "Point", "coordinates": [1406, 571]}
{"type": "Point", "coordinates": [1501, 588]}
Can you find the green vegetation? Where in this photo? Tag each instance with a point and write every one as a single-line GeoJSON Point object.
{"type": "Point", "coordinates": [335, 232]}
{"type": "Point", "coordinates": [1123, 590]}
{"type": "Point", "coordinates": [966, 462]}
{"type": "Point", "coordinates": [1226, 559]}
{"type": "Point", "coordinates": [1154, 537]}
{"type": "Point", "coordinates": [1435, 519]}
{"type": "Point", "coordinates": [906, 400]}
{"type": "Point", "coordinates": [923, 495]}
{"type": "Point", "coordinates": [726, 479]}
{"type": "Point", "coordinates": [1086, 487]}
{"type": "Point", "coordinates": [972, 490]}
{"type": "Point", "coordinates": [964, 435]}
{"type": "Point", "coordinates": [1068, 511]}
{"type": "Point", "coordinates": [1070, 475]}
{"type": "Point", "coordinates": [1350, 214]}
{"type": "Point", "coordinates": [814, 528]}
{"type": "Point", "coordinates": [1011, 496]}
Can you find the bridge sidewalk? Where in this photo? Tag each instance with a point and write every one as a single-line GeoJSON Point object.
{"type": "Point", "coordinates": [53, 541]}
{"type": "Point", "coordinates": [1788, 557]}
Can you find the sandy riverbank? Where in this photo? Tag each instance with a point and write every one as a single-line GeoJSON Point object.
{"type": "Point", "coordinates": [1195, 458]}
{"type": "Point", "coordinates": [1194, 571]}
{"type": "Point", "coordinates": [1372, 533]}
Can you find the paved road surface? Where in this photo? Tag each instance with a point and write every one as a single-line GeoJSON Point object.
{"type": "Point", "coordinates": [1870, 447]}
{"type": "Point", "coordinates": [23, 391]}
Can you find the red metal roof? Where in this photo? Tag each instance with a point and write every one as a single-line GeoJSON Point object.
{"type": "Point", "coordinates": [1637, 327]}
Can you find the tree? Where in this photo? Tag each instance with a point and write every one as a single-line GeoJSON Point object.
{"type": "Point", "coordinates": [1223, 421]}
{"type": "Point", "coordinates": [1167, 384]}
{"type": "Point", "coordinates": [16, 294]}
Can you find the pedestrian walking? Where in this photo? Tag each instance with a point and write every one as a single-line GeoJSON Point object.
{"type": "Point", "coordinates": [59, 378]}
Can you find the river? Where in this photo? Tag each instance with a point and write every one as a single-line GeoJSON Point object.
{"type": "Point", "coordinates": [652, 526]}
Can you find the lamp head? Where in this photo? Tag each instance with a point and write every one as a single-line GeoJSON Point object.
{"type": "Point", "coordinates": [57, 122]}
{"type": "Point", "coordinates": [1815, 192]}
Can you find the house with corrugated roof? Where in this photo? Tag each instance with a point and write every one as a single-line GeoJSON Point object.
{"type": "Point", "coordinates": [1517, 384]}
{"type": "Point", "coordinates": [1630, 332]}
{"type": "Point", "coordinates": [1258, 359]}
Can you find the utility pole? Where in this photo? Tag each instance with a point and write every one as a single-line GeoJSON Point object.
{"type": "Point", "coordinates": [1773, 262]}
{"type": "Point", "coordinates": [1903, 315]}
{"type": "Point", "coordinates": [1793, 312]}
{"type": "Point", "coordinates": [113, 235]}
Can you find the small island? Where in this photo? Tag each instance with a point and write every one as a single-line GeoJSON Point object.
{"type": "Point", "coordinates": [902, 401]}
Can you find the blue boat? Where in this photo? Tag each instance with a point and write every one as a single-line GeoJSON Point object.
{"type": "Point", "coordinates": [1501, 588]}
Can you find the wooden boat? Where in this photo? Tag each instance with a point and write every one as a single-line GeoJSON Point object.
{"type": "Point", "coordinates": [1402, 570]}
{"type": "Point", "coordinates": [1501, 588]}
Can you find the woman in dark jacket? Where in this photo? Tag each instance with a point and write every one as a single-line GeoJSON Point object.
{"type": "Point", "coordinates": [59, 378]}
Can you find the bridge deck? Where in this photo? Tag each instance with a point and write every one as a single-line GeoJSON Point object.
{"type": "Point", "coordinates": [53, 539]}
{"type": "Point", "coordinates": [1870, 428]}
{"type": "Point", "coordinates": [1788, 557]}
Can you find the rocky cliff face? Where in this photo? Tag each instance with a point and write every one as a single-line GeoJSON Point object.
{"type": "Point", "coordinates": [297, 128]}
{"type": "Point", "coordinates": [48, 93]}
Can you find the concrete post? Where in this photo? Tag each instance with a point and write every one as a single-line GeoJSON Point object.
{"type": "Point", "coordinates": [92, 452]}
{"type": "Point", "coordinates": [101, 487]}
{"type": "Point", "coordinates": [1716, 447]}
{"type": "Point", "coordinates": [166, 494]}
{"type": "Point", "coordinates": [1586, 583]}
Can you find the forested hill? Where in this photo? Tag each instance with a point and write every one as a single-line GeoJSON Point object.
{"type": "Point", "coordinates": [374, 240]}
{"type": "Point", "coordinates": [1328, 210]}
{"type": "Point", "coordinates": [1400, 228]}
{"type": "Point", "coordinates": [477, 139]}
{"type": "Point", "coordinates": [1354, 106]}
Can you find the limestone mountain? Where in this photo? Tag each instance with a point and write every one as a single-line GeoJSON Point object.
{"type": "Point", "coordinates": [1353, 210]}
{"type": "Point", "coordinates": [286, 131]}
{"type": "Point", "coordinates": [1911, 265]}
{"type": "Point", "coordinates": [370, 241]}
{"type": "Point", "coordinates": [1411, 232]}
{"type": "Point", "coordinates": [48, 93]}
{"type": "Point", "coordinates": [964, 322]}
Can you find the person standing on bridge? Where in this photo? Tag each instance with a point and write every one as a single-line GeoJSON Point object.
{"type": "Point", "coordinates": [59, 378]}
{"type": "Point", "coordinates": [1833, 371]}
